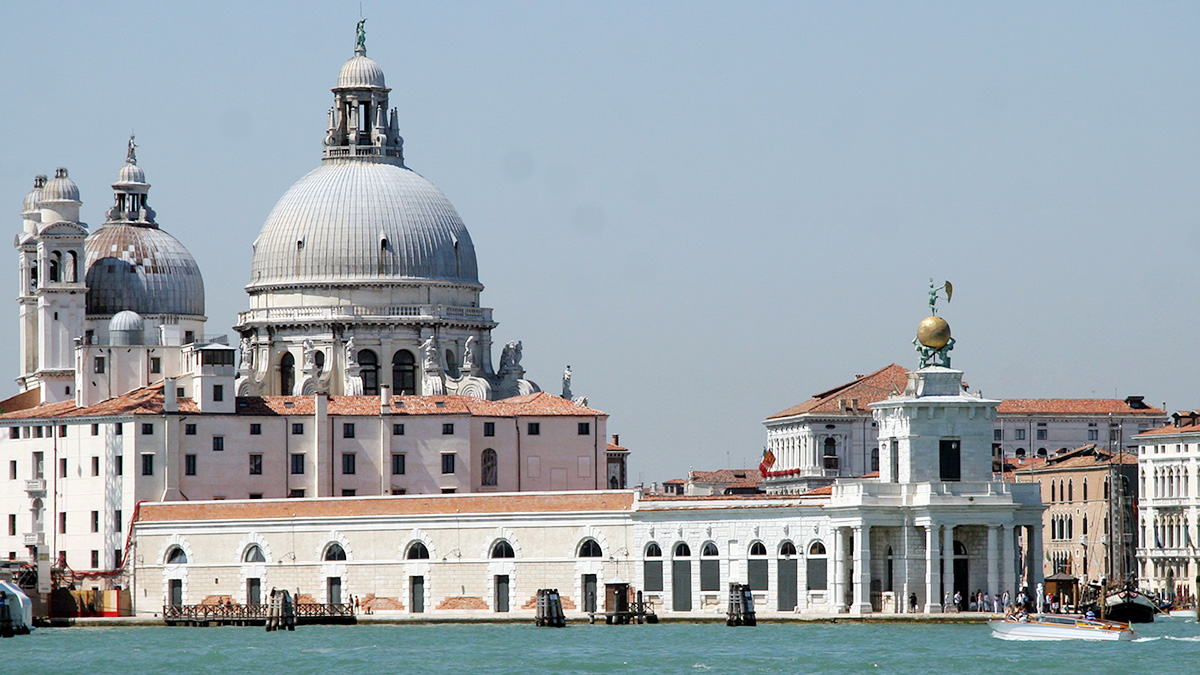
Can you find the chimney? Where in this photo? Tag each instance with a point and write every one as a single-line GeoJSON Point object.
{"type": "Point", "coordinates": [616, 439]}
{"type": "Point", "coordinates": [385, 398]}
{"type": "Point", "coordinates": [854, 404]}
{"type": "Point", "coordinates": [170, 395]}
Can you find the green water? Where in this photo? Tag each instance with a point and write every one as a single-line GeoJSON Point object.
{"type": "Point", "coordinates": [1165, 647]}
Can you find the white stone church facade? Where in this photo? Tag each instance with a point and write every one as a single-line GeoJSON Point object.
{"type": "Point", "coordinates": [363, 365]}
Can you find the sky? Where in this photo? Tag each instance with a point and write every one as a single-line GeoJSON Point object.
{"type": "Point", "coordinates": [710, 211]}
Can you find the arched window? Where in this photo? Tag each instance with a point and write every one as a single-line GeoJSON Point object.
{"type": "Point", "coordinates": [710, 567]}
{"type": "Point", "coordinates": [1020, 452]}
{"type": "Point", "coordinates": [590, 549]}
{"type": "Point", "coordinates": [72, 267]}
{"type": "Point", "coordinates": [404, 372]}
{"type": "Point", "coordinates": [503, 549]}
{"type": "Point", "coordinates": [287, 374]}
{"type": "Point", "coordinates": [417, 551]}
{"type": "Point", "coordinates": [652, 568]}
{"type": "Point", "coordinates": [254, 554]}
{"type": "Point", "coordinates": [959, 548]}
{"type": "Point", "coordinates": [1041, 452]}
{"type": "Point", "coordinates": [55, 265]}
{"type": "Point", "coordinates": [1085, 489]}
{"type": "Point", "coordinates": [319, 359]}
{"type": "Point", "coordinates": [335, 552]}
{"type": "Point", "coordinates": [817, 566]}
{"type": "Point", "coordinates": [787, 549]}
{"type": "Point", "coordinates": [1052, 491]}
{"type": "Point", "coordinates": [875, 459]}
{"type": "Point", "coordinates": [176, 556]}
{"type": "Point", "coordinates": [488, 470]}
{"type": "Point", "coordinates": [756, 567]}
{"type": "Point", "coordinates": [1071, 490]}
{"type": "Point", "coordinates": [682, 550]}
{"type": "Point", "coordinates": [370, 371]}
{"type": "Point", "coordinates": [451, 364]}
{"type": "Point", "coordinates": [829, 457]}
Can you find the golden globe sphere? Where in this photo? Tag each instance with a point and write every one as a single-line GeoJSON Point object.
{"type": "Point", "coordinates": [933, 332]}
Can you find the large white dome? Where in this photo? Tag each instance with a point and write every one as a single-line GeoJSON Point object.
{"type": "Point", "coordinates": [356, 221]}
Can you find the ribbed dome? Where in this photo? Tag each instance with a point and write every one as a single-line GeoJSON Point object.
{"type": "Point", "coordinates": [141, 269]}
{"type": "Point", "coordinates": [360, 72]}
{"type": "Point", "coordinates": [127, 320]}
{"type": "Point", "coordinates": [131, 173]}
{"type": "Point", "coordinates": [360, 221]}
{"type": "Point", "coordinates": [60, 188]}
{"type": "Point", "coordinates": [34, 198]}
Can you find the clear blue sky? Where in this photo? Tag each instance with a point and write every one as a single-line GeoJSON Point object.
{"type": "Point", "coordinates": [710, 211]}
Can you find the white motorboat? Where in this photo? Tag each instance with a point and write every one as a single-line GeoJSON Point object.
{"type": "Point", "coordinates": [1059, 627]}
{"type": "Point", "coordinates": [16, 611]}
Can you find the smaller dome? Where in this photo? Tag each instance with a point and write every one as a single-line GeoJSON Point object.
{"type": "Point", "coordinates": [360, 72]}
{"type": "Point", "coordinates": [60, 188]}
{"type": "Point", "coordinates": [126, 328]}
{"type": "Point", "coordinates": [34, 198]}
{"type": "Point", "coordinates": [127, 320]}
{"type": "Point", "coordinates": [131, 173]}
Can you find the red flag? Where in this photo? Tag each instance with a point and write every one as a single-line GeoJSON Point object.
{"type": "Point", "coordinates": [768, 461]}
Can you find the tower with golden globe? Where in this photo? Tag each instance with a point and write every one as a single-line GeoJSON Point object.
{"type": "Point", "coordinates": [933, 341]}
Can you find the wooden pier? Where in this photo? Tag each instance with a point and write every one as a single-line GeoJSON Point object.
{"type": "Point", "coordinates": [255, 615]}
{"type": "Point", "coordinates": [620, 609]}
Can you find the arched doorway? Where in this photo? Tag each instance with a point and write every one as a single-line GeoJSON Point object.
{"type": "Point", "coordinates": [786, 602]}
{"type": "Point", "coordinates": [681, 578]}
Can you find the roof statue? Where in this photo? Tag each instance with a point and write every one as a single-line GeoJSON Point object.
{"type": "Point", "coordinates": [131, 155]}
{"type": "Point", "coordinates": [566, 383]}
{"type": "Point", "coordinates": [933, 341]}
{"type": "Point", "coordinates": [362, 36]}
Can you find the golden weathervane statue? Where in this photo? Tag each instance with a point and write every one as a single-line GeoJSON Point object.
{"type": "Point", "coordinates": [933, 341]}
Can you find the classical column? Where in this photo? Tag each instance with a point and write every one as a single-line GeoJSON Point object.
{"type": "Point", "coordinates": [933, 578]}
{"type": "Point", "coordinates": [948, 562]}
{"type": "Point", "coordinates": [993, 561]}
{"type": "Point", "coordinates": [1036, 575]}
{"type": "Point", "coordinates": [839, 570]}
{"type": "Point", "coordinates": [902, 569]}
{"type": "Point", "coordinates": [862, 570]}
{"type": "Point", "coordinates": [1008, 575]}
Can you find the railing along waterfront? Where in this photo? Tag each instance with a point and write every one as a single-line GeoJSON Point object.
{"type": "Point", "coordinates": [242, 614]}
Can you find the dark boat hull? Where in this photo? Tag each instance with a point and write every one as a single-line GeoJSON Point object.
{"type": "Point", "coordinates": [1128, 607]}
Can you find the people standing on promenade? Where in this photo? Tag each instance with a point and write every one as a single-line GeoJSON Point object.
{"type": "Point", "coordinates": [912, 603]}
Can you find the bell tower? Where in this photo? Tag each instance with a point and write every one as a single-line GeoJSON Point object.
{"type": "Point", "coordinates": [52, 295]}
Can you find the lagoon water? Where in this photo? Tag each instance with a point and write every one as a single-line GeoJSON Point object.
{"type": "Point", "coordinates": [1171, 646]}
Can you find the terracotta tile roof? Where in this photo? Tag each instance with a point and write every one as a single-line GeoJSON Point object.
{"type": "Point", "coordinates": [143, 401]}
{"type": "Point", "coordinates": [149, 400]}
{"type": "Point", "coordinates": [816, 492]}
{"type": "Point", "coordinates": [1074, 406]}
{"type": "Point", "coordinates": [674, 481]}
{"type": "Point", "coordinates": [528, 502]}
{"type": "Point", "coordinates": [1088, 456]}
{"type": "Point", "coordinates": [868, 389]}
{"type": "Point", "coordinates": [743, 477]}
{"type": "Point", "coordinates": [22, 401]}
